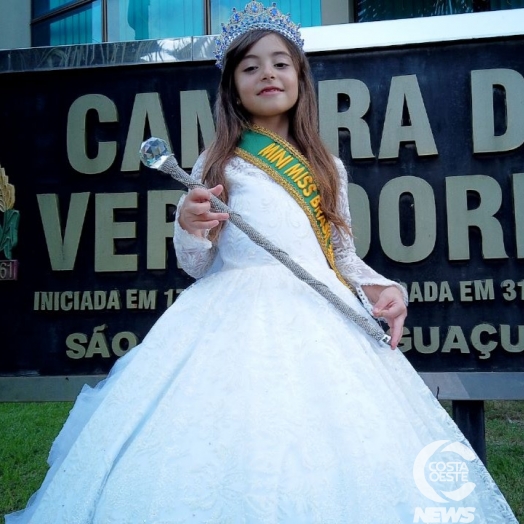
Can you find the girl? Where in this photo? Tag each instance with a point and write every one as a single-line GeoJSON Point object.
{"type": "Point", "coordinates": [252, 400]}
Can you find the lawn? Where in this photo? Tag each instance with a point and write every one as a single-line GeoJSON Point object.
{"type": "Point", "coordinates": [28, 429]}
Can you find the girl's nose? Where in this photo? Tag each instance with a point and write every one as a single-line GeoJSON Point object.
{"type": "Point", "coordinates": [268, 71]}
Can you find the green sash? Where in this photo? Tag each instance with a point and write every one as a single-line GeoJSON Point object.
{"type": "Point", "coordinates": [286, 166]}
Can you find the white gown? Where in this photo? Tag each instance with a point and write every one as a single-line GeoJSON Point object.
{"type": "Point", "coordinates": [253, 401]}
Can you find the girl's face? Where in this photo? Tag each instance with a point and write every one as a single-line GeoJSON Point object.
{"type": "Point", "coordinates": [267, 81]}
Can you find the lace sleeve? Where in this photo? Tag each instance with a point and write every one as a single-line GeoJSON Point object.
{"type": "Point", "coordinates": [350, 265]}
{"type": "Point", "coordinates": [194, 254]}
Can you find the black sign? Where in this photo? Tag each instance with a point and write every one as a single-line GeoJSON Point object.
{"type": "Point", "coordinates": [432, 137]}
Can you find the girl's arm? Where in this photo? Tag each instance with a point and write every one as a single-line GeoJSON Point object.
{"type": "Point", "coordinates": [382, 297]}
{"type": "Point", "coordinates": [195, 253]}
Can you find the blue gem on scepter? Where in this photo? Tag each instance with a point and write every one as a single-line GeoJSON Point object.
{"type": "Point", "coordinates": [154, 152]}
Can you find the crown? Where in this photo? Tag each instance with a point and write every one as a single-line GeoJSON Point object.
{"type": "Point", "coordinates": [255, 16]}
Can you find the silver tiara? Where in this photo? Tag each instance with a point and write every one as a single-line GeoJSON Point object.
{"type": "Point", "coordinates": [255, 16]}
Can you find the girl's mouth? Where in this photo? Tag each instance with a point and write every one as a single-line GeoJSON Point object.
{"type": "Point", "coordinates": [269, 90]}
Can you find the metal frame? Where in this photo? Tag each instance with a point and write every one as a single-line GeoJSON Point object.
{"type": "Point", "coordinates": [455, 386]}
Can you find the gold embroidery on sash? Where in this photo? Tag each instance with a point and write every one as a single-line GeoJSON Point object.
{"type": "Point", "coordinates": [275, 157]}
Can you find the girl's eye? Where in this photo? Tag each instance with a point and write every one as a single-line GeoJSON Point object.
{"type": "Point", "coordinates": [282, 65]}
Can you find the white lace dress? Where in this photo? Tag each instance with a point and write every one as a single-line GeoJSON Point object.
{"type": "Point", "coordinates": [253, 401]}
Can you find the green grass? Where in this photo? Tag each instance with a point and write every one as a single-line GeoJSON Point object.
{"type": "Point", "coordinates": [27, 431]}
{"type": "Point", "coordinates": [505, 451]}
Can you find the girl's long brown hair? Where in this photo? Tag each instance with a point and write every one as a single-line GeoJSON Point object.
{"type": "Point", "coordinates": [231, 119]}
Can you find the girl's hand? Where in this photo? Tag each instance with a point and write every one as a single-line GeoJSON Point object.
{"type": "Point", "coordinates": [390, 305]}
{"type": "Point", "coordinates": [196, 215]}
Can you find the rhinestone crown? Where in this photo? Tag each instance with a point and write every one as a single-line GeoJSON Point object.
{"type": "Point", "coordinates": [255, 16]}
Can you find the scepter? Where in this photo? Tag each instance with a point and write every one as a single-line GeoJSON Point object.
{"type": "Point", "coordinates": [155, 154]}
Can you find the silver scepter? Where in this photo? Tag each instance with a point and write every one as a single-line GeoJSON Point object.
{"type": "Point", "coordinates": [155, 154]}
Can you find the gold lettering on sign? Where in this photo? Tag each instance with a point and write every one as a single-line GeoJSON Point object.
{"type": "Point", "coordinates": [471, 290]}
{"type": "Point", "coordinates": [141, 298]}
{"type": "Point", "coordinates": [62, 250]}
{"type": "Point", "coordinates": [510, 84]}
{"type": "Point", "coordinates": [425, 222]}
{"type": "Point", "coordinates": [77, 134]}
{"type": "Point", "coordinates": [159, 227]}
{"type": "Point", "coordinates": [108, 229]}
{"type": "Point", "coordinates": [76, 300]}
{"type": "Point", "coordinates": [461, 218]}
{"type": "Point", "coordinates": [405, 94]}
{"type": "Point", "coordinates": [484, 339]}
{"type": "Point", "coordinates": [80, 345]}
{"type": "Point", "coordinates": [351, 120]}
{"type": "Point", "coordinates": [110, 232]}
{"type": "Point", "coordinates": [195, 114]}
{"type": "Point", "coordinates": [147, 109]}
{"type": "Point", "coordinates": [512, 290]}
{"type": "Point", "coordinates": [429, 291]}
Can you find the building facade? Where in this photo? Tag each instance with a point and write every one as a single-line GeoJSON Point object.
{"type": "Point", "coordinates": [31, 23]}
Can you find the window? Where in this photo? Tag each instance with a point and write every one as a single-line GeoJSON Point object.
{"type": "Point", "coordinates": [57, 22]}
{"type": "Point", "coordinates": [79, 23]}
{"type": "Point", "coordinates": [306, 12]}
{"type": "Point", "coordinates": [371, 10]}
{"type": "Point", "coordinates": [41, 7]}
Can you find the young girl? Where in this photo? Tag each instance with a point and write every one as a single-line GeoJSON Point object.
{"type": "Point", "coordinates": [253, 400]}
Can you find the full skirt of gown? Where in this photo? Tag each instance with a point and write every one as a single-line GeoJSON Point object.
{"type": "Point", "coordinates": [252, 400]}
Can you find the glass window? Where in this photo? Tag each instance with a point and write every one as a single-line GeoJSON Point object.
{"type": "Point", "coordinates": [370, 10]}
{"type": "Point", "coordinates": [78, 26]}
{"type": "Point", "coordinates": [154, 19]}
{"type": "Point", "coordinates": [497, 5]}
{"type": "Point", "coordinates": [306, 12]}
{"type": "Point", "coordinates": [81, 21]}
{"type": "Point", "coordinates": [147, 19]}
{"type": "Point", "coordinates": [42, 7]}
